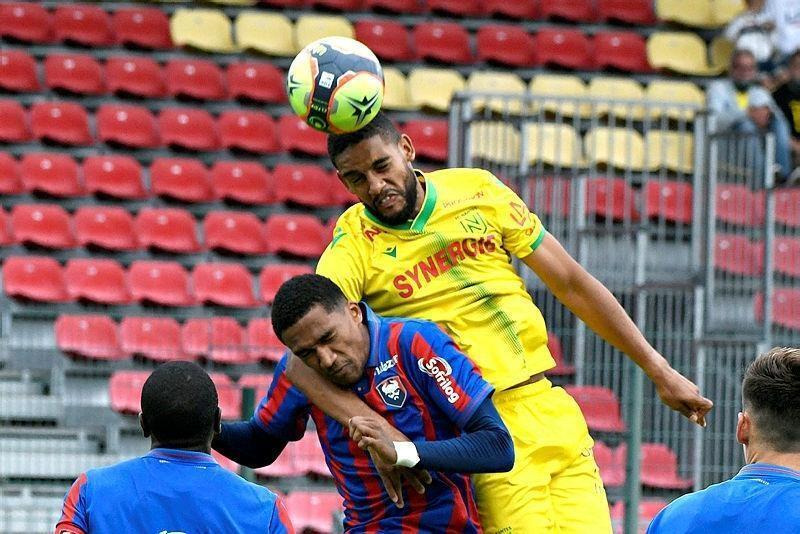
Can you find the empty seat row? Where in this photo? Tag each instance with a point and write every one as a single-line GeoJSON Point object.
{"type": "Point", "coordinates": [600, 407]}
{"type": "Point", "coordinates": [739, 205]}
{"type": "Point", "coordinates": [736, 254]}
{"type": "Point", "coordinates": [299, 458]}
{"type": "Point", "coordinates": [163, 283]}
{"type": "Point", "coordinates": [785, 307]}
{"type": "Point", "coordinates": [659, 466]}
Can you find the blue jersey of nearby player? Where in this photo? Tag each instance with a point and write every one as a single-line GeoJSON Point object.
{"type": "Point", "coordinates": [761, 498]}
{"type": "Point", "coordinates": [418, 379]}
{"type": "Point", "coordinates": [170, 491]}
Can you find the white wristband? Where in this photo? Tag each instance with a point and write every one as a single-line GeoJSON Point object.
{"type": "Point", "coordinates": [407, 455]}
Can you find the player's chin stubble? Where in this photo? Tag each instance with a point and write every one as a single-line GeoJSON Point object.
{"type": "Point", "coordinates": [410, 198]}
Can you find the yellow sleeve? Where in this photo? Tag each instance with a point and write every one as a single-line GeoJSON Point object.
{"type": "Point", "coordinates": [343, 261]}
{"type": "Point", "coordinates": [522, 230]}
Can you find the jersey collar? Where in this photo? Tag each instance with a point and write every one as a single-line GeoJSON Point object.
{"type": "Point", "coordinates": [181, 455]}
{"type": "Point", "coordinates": [762, 469]}
{"type": "Point", "coordinates": [373, 323]}
{"type": "Point", "coordinates": [419, 222]}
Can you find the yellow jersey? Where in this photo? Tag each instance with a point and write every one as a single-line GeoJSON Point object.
{"type": "Point", "coordinates": [451, 265]}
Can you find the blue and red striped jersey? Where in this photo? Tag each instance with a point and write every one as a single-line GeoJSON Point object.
{"type": "Point", "coordinates": [418, 379]}
{"type": "Point", "coordinates": [170, 490]}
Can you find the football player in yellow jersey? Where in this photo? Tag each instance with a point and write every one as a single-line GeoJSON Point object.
{"type": "Point", "coordinates": [438, 246]}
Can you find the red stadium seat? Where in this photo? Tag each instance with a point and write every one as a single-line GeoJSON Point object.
{"type": "Point", "coordinates": [114, 176]}
{"type": "Point", "coordinates": [135, 76]}
{"type": "Point", "coordinates": [26, 21]}
{"type": "Point", "coordinates": [258, 382]}
{"type": "Point", "coordinates": [339, 5]}
{"type": "Point", "coordinates": [105, 227]}
{"type": "Point", "coordinates": [263, 343]}
{"type": "Point", "coordinates": [230, 396]}
{"type": "Point", "coordinates": [388, 39]}
{"type": "Point", "coordinates": [51, 173]}
{"type": "Point", "coordinates": [283, 466]}
{"type": "Point", "coordinates": [275, 274]}
{"type": "Point", "coordinates": [82, 24]}
{"type": "Point", "coordinates": [35, 278]}
{"type": "Point", "coordinates": [309, 458]}
{"type": "Point", "coordinates": [669, 200]}
{"type": "Point", "coordinates": [444, 42]}
{"type": "Point", "coordinates": [787, 255]}
{"type": "Point", "coordinates": [611, 198]}
{"type": "Point", "coordinates": [396, 6]}
{"type": "Point", "coordinates": [160, 282]}
{"type": "Point", "coordinates": [566, 48]}
{"type": "Point", "coordinates": [785, 307]}
{"type": "Point", "coordinates": [341, 193]}
{"type": "Point", "coordinates": [787, 207]}
{"type": "Point", "coordinates": [142, 27]}
{"type": "Point", "coordinates": [5, 232]}
{"type": "Point", "coordinates": [313, 510]}
{"type": "Point", "coordinates": [89, 336]}
{"type": "Point", "coordinates": [737, 204]}
{"type": "Point", "coordinates": [125, 391]}
{"type": "Point", "coordinates": [660, 468]}
{"type": "Point", "coordinates": [167, 230]}
{"type": "Point", "coordinates": [307, 185]}
{"type": "Point", "coordinates": [96, 280]}
{"type": "Point", "coordinates": [256, 81]}
{"type": "Point", "coordinates": [183, 179]}
{"type": "Point", "coordinates": [128, 126]}
{"type": "Point", "coordinates": [738, 255]}
{"type": "Point", "coordinates": [234, 231]}
{"type": "Point", "coordinates": [154, 338]}
{"type": "Point", "coordinates": [189, 128]}
{"type": "Point", "coordinates": [461, 8]}
{"type": "Point", "coordinates": [251, 131]}
{"type": "Point", "coordinates": [10, 179]}
{"type": "Point", "coordinates": [625, 51]}
{"type": "Point", "coordinates": [44, 225]}
{"type": "Point", "coordinates": [297, 136]}
{"type": "Point", "coordinates": [573, 11]}
{"type": "Point", "coordinates": [430, 138]}
{"type": "Point", "coordinates": [18, 72]}
{"type": "Point", "coordinates": [506, 44]}
{"type": "Point", "coordinates": [297, 235]}
{"type": "Point", "coordinates": [627, 11]}
{"type": "Point", "coordinates": [612, 471]}
{"type": "Point", "coordinates": [13, 122]}
{"type": "Point", "coordinates": [527, 10]}
{"type": "Point", "coordinates": [242, 181]}
{"type": "Point", "coordinates": [600, 407]}
{"type": "Point", "coordinates": [195, 78]}
{"type": "Point", "coordinates": [554, 346]}
{"type": "Point", "coordinates": [648, 510]}
{"type": "Point", "coordinates": [224, 284]}
{"type": "Point", "coordinates": [220, 339]}
{"type": "Point", "coordinates": [64, 123]}
{"type": "Point", "coordinates": [74, 73]}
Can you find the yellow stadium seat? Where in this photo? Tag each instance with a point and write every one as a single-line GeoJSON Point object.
{"type": "Point", "coordinates": [605, 88]}
{"type": "Point", "coordinates": [659, 92]}
{"type": "Point", "coordinates": [268, 33]}
{"type": "Point", "coordinates": [721, 51]}
{"type": "Point", "coordinates": [309, 28]}
{"type": "Point", "coordinates": [396, 90]}
{"type": "Point", "coordinates": [724, 11]}
{"type": "Point", "coordinates": [554, 144]}
{"type": "Point", "coordinates": [682, 52]}
{"type": "Point", "coordinates": [495, 141]}
{"type": "Point", "coordinates": [621, 148]}
{"type": "Point", "coordinates": [204, 29]}
{"type": "Point", "coordinates": [433, 88]}
{"type": "Point", "coordinates": [699, 13]}
{"type": "Point", "coordinates": [670, 150]}
{"type": "Point", "coordinates": [497, 82]}
{"type": "Point", "coordinates": [563, 85]}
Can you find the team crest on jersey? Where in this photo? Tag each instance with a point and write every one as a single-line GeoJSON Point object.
{"type": "Point", "coordinates": [473, 222]}
{"type": "Point", "coordinates": [393, 392]}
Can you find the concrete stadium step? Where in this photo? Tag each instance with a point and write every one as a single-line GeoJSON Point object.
{"type": "Point", "coordinates": [53, 440]}
{"type": "Point", "coordinates": [49, 466]}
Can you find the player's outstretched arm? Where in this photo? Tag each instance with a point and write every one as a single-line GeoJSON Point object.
{"type": "Point", "coordinates": [247, 444]}
{"type": "Point", "coordinates": [594, 304]}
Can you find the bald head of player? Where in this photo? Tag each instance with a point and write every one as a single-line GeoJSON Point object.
{"type": "Point", "coordinates": [180, 408]}
{"type": "Point", "coordinates": [374, 163]}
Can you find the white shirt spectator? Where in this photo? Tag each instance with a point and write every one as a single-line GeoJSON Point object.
{"type": "Point", "coordinates": [786, 14]}
{"type": "Point", "coordinates": [747, 31]}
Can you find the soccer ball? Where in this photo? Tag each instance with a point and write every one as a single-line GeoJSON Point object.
{"type": "Point", "coordinates": [335, 84]}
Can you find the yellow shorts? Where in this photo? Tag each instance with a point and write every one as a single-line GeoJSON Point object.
{"type": "Point", "coordinates": [555, 486]}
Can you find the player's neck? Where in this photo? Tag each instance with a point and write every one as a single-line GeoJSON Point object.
{"type": "Point", "coordinates": [197, 447]}
{"type": "Point", "coordinates": [420, 199]}
{"type": "Point", "coordinates": [783, 459]}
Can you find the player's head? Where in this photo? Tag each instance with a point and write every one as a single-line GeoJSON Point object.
{"type": "Point", "coordinates": [312, 317]}
{"type": "Point", "coordinates": [180, 407]}
{"type": "Point", "coordinates": [770, 421]}
{"type": "Point", "coordinates": [374, 163]}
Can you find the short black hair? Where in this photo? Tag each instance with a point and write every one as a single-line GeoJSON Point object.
{"type": "Point", "coordinates": [179, 404]}
{"type": "Point", "coordinates": [298, 295]}
{"type": "Point", "coordinates": [771, 394]}
{"type": "Point", "coordinates": [381, 125]}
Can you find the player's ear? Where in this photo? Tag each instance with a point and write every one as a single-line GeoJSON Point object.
{"type": "Point", "coordinates": [218, 421]}
{"type": "Point", "coordinates": [144, 425]}
{"type": "Point", "coordinates": [743, 428]}
{"type": "Point", "coordinates": [355, 312]}
{"type": "Point", "coordinates": [407, 148]}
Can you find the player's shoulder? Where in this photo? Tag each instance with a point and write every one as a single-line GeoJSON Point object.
{"type": "Point", "coordinates": [242, 489]}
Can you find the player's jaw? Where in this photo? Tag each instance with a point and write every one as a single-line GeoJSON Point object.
{"type": "Point", "coordinates": [394, 205]}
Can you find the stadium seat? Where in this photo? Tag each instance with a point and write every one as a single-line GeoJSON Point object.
{"type": "Point", "coordinates": [5, 232]}
{"type": "Point", "coordinates": [194, 78]}
{"type": "Point", "coordinates": [554, 144]}
{"type": "Point", "coordinates": [234, 231]}
{"type": "Point", "coordinates": [497, 82]}
{"type": "Point", "coordinates": [573, 11]}
{"type": "Point", "coordinates": [611, 198]}
{"type": "Point", "coordinates": [297, 136]}
{"type": "Point", "coordinates": [648, 510]}
{"type": "Point", "coordinates": [559, 85]}
{"type": "Point", "coordinates": [88, 336]}
{"type": "Point", "coordinates": [736, 254]}
{"type": "Point", "coordinates": [624, 51]}
{"type": "Point", "coordinates": [219, 339]}
{"type": "Point", "coordinates": [638, 12]}
{"type": "Point", "coordinates": [442, 42]}
{"type": "Point", "coordinates": [183, 179]}
{"type": "Point", "coordinates": [389, 40]}
{"type": "Point", "coordinates": [230, 396]}
{"type": "Point", "coordinates": [82, 24]}
{"type": "Point", "coordinates": [242, 181]}
{"type": "Point", "coordinates": [785, 308]}
{"type": "Point", "coordinates": [267, 33]}
{"type": "Point", "coordinates": [495, 141]}
{"type": "Point", "coordinates": [26, 21]}
{"type": "Point", "coordinates": [338, 5]}
{"type": "Point", "coordinates": [142, 27]}
{"type": "Point", "coordinates": [64, 123]}
{"type": "Point", "coordinates": [10, 179]}
{"type": "Point", "coordinates": [605, 88]}
{"type": "Point", "coordinates": [275, 274]}
{"type": "Point", "coordinates": [258, 382]}
{"type": "Point", "coordinates": [396, 94]}
{"type": "Point", "coordinates": [51, 174]}
{"type": "Point", "coordinates": [134, 76]}
{"type": "Point", "coordinates": [670, 150]}
{"type": "Point", "coordinates": [223, 284]}
{"type": "Point", "coordinates": [167, 230]}
{"type": "Point", "coordinates": [163, 283]}
{"type": "Point", "coordinates": [153, 338]}
{"type": "Point", "coordinates": [524, 11]}
{"type": "Point", "coordinates": [263, 343]}
{"type": "Point", "coordinates": [787, 255]}
{"type": "Point", "coordinates": [127, 126]}
{"type": "Point", "coordinates": [309, 28]}
{"type": "Point", "coordinates": [430, 138]}
{"type": "Point", "coordinates": [699, 13]}
{"type": "Point", "coordinates": [74, 73]}
{"type": "Point", "coordinates": [600, 407]}
{"type": "Point", "coordinates": [787, 207]}
{"type": "Point", "coordinates": [251, 131]}
{"type": "Point", "coordinates": [305, 184]}
{"type": "Point", "coordinates": [737, 204]}
{"type": "Point", "coordinates": [680, 52]}
{"type": "Point", "coordinates": [125, 391]}
{"type": "Point", "coordinates": [208, 30]}
{"type": "Point", "coordinates": [506, 44]}
{"type": "Point", "coordinates": [659, 92]}
{"type": "Point", "coordinates": [283, 466]}
{"type": "Point", "coordinates": [297, 235]}
{"type": "Point", "coordinates": [18, 72]}
{"type": "Point", "coordinates": [313, 510]}
{"type": "Point", "coordinates": [13, 122]}
{"type": "Point", "coordinates": [612, 471]}
{"type": "Point", "coordinates": [561, 47]}
{"type": "Point", "coordinates": [396, 6]}
{"type": "Point", "coordinates": [114, 176]}
{"type": "Point", "coordinates": [309, 458]}
{"type": "Point", "coordinates": [188, 128]}
{"type": "Point", "coordinates": [36, 278]}
{"type": "Point", "coordinates": [554, 346]}
{"type": "Point", "coordinates": [668, 200]}
{"type": "Point", "coordinates": [446, 81]}
{"type": "Point", "coordinates": [256, 81]}
{"type": "Point", "coordinates": [105, 227]}
{"type": "Point", "coordinates": [660, 468]}
{"type": "Point", "coordinates": [619, 148]}
{"type": "Point", "coordinates": [43, 225]}
{"type": "Point", "coordinates": [96, 280]}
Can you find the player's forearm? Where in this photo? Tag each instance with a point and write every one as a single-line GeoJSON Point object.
{"type": "Point", "coordinates": [246, 444]}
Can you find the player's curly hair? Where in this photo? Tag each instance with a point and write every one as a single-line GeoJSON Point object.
{"type": "Point", "coordinates": [381, 125]}
{"type": "Point", "coordinates": [298, 295]}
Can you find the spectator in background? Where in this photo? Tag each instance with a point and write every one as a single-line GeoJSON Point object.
{"type": "Point", "coordinates": [754, 30]}
{"type": "Point", "coordinates": [786, 14]}
{"type": "Point", "coordinates": [765, 495]}
{"type": "Point", "coordinates": [787, 97]}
